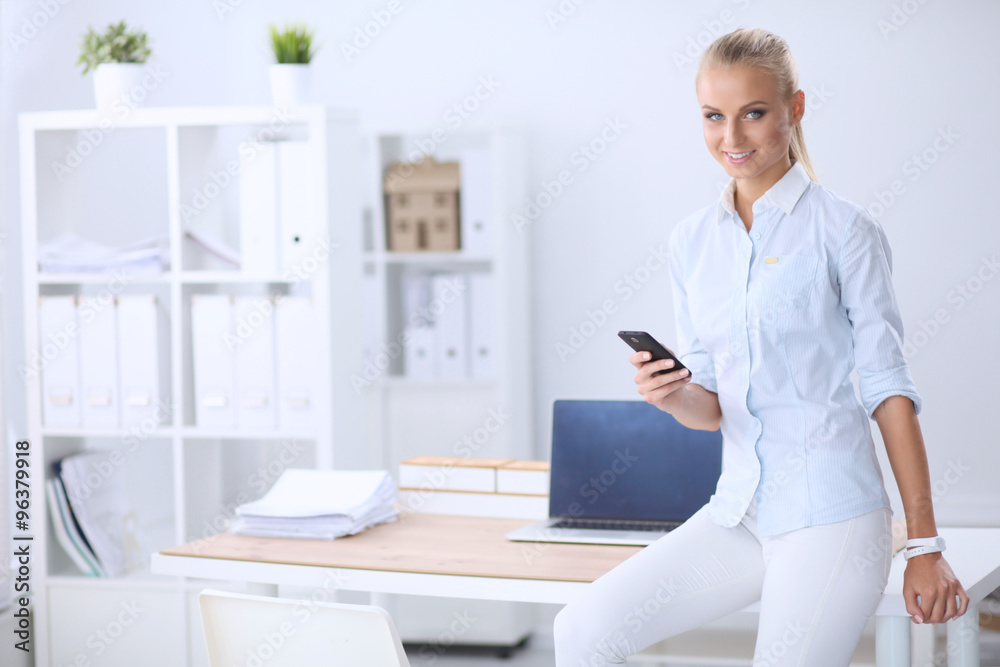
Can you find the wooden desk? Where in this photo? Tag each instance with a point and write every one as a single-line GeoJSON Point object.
{"type": "Point", "coordinates": [427, 554]}
{"type": "Point", "coordinates": [469, 557]}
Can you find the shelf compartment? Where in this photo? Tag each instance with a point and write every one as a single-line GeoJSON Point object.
{"type": "Point", "coordinates": [222, 475]}
{"type": "Point", "coordinates": [158, 537]}
{"type": "Point", "coordinates": [88, 617]}
{"type": "Point", "coordinates": [146, 470]}
{"type": "Point", "coordinates": [90, 189]}
{"type": "Point", "coordinates": [94, 298]}
{"type": "Point", "coordinates": [211, 160]}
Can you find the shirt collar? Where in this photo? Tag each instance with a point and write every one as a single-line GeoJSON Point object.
{"type": "Point", "coordinates": [784, 194]}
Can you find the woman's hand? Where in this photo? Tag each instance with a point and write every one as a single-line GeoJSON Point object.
{"type": "Point", "coordinates": [662, 390]}
{"type": "Point", "coordinates": [930, 577]}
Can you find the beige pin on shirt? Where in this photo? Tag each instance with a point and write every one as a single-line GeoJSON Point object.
{"type": "Point", "coordinates": [770, 260]}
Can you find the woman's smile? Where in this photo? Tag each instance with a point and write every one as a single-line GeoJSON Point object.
{"type": "Point", "coordinates": [739, 158]}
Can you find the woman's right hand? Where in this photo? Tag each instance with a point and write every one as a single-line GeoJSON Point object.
{"type": "Point", "coordinates": [662, 390]}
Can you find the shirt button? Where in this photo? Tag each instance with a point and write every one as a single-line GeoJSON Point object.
{"type": "Point", "coordinates": [756, 235]}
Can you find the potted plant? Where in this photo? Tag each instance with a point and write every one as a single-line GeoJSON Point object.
{"type": "Point", "coordinates": [117, 58]}
{"type": "Point", "coordinates": [293, 51]}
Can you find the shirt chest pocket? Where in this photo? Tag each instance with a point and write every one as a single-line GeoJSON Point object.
{"type": "Point", "coordinates": [780, 287]}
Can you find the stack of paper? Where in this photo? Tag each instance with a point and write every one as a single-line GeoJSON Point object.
{"type": "Point", "coordinates": [320, 504]}
{"type": "Point", "coordinates": [71, 253]}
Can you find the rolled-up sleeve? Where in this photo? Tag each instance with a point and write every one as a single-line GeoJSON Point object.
{"type": "Point", "coordinates": [689, 348]}
{"type": "Point", "coordinates": [864, 273]}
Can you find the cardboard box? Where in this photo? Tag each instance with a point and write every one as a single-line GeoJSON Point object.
{"type": "Point", "coordinates": [524, 477]}
{"type": "Point", "coordinates": [449, 473]}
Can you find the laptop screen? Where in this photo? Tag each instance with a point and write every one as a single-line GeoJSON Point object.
{"type": "Point", "coordinates": [629, 460]}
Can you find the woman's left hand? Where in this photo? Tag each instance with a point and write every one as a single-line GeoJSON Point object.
{"type": "Point", "coordinates": [930, 577]}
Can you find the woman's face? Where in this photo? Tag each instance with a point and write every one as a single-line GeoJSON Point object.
{"type": "Point", "coordinates": [747, 125]}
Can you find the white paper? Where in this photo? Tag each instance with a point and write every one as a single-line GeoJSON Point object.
{"type": "Point", "coordinates": [303, 492]}
{"type": "Point", "coordinates": [320, 504]}
{"type": "Point", "coordinates": [72, 253]}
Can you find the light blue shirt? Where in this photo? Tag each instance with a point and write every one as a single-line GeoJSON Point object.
{"type": "Point", "coordinates": [773, 321]}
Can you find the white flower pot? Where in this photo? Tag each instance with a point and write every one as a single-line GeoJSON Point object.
{"type": "Point", "coordinates": [290, 84]}
{"type": "Point", "coordinates": [112, 81]}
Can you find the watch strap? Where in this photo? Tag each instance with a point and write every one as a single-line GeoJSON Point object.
{"type": "Point", "coordinates": [919, 546]}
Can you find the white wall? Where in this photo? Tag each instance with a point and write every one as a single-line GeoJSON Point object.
{"type": "Point", "coordinates": [877, 99]}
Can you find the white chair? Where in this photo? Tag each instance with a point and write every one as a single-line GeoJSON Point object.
{"type": "Point", "coordinates": [274, 632]}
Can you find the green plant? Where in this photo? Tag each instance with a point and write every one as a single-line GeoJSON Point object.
{"type": "Point", "coordinates": [116, 45]}
{"type": "Point", "coordinates": [293, 45]}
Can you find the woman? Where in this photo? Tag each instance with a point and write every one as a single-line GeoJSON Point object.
{"type": "Point", "coordinates": [779, 288]}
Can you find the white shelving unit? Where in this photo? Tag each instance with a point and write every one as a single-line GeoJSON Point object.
{"type": "Point", "coordinates": [409, 417]}
{"type": "Point", "coordinates": [184, 481]}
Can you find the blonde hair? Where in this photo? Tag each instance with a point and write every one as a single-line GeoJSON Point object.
{"type": "Point", "coordinates": [765, 51]}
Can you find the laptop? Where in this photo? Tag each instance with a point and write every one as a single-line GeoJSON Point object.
{"type": "Point", "coordinates": [623, 472]}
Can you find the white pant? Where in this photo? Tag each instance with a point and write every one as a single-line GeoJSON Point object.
{"type": "Point", "coordinates": [817, 587]}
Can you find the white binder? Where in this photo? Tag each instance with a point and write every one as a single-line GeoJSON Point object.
{"type": "Point", "coordinates": [371, 303]}
{"type": "Point", "coordinates": [476, 201]}
{"type": "Point", "coordinates": [98, 363]}
{"type": "Point", "coordinates": [211, 331]}
{"type": "Point", "coordinates": [448, 305]}
{"type": "Point", "coordinates": [139, 360]}
{"type": "Point", "coordinates": [258, 211]}
{"type": "Point", "coordinates": [298, 214]}
{"type": "Point", "coordinates": [296, 344]}
{"type": "Point", "coordinates": [482, 326]}
{"type": "Point", "coordinates": [254, 341]}
{"type": "Point", "coordinates": [420, 354]}
{"type": "Point", "coordinates": [59, 360]}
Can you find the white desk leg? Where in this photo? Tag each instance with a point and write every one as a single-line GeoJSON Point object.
{"type": "Point", "coordinates": [269, 590]}
{"type": "Point", "coordinates": [923, 645]}
{"type": "Point", "coordinates": [892, 641]}
{"type": "Point", "coordinates": [963, 639]}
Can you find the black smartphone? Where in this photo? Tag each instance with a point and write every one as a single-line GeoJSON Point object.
{"type": "Point", "coordinates": [640, 341]}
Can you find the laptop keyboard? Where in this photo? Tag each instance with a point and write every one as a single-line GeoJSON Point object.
{"type": "Point", "coordinates": [617, 524]}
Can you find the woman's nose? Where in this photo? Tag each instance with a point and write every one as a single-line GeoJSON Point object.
{"type": "Point", "coordinates": [733, 135]}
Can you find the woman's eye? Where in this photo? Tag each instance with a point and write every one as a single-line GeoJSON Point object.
{"type": "Point", "coordinates": [759, 114]}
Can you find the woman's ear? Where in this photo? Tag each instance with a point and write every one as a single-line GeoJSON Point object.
{"type": "Point", "coordinates": [799, 108]}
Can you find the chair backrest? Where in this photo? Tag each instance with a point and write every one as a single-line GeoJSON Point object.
{"type": "Point", "coordinates": [274, 632]}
